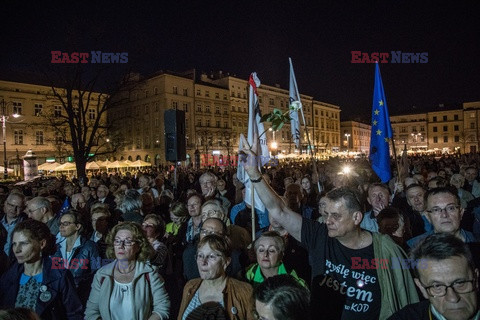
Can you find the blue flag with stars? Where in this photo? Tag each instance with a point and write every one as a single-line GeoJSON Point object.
{"type": "Point", "coordinates": [381, 131]}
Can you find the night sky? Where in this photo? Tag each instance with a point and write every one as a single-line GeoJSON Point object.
{"type": "Point", "coordinates": [239, 37]}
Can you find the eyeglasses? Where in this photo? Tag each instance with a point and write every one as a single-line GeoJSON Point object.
{"type": "Point", "coordinates": [460, 286]}
{"type": "Point", "coordinates": [210, 213]}
{"type": "Point", "coordinates": [205, 232]}
{"type": "Point", "coordinates": [212, 257]}
{"type": "Point", "coordinates": [66, 223]}
{"type": "Point", "coordinates": [33, 210]}
{"type": "Point", "coordinates": [451, 208]}
{"type": "Point", "coordinates": [207, 183]}
{"type": "Point", "coordinates": [123, 243]}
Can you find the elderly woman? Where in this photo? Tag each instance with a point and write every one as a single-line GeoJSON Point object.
{"type": "Point", "coordinates": [269, 250]}
{"type": "Point", "coordinates": [154, 228]}
{"type": "Point", "coordinates": [129, 286]}
{"type": "Point", "coordinates": [214, 293]}
{"type": "Point", "coordinates": [458, 181]}
{"type": "Point", "coordinates": [33, 281]}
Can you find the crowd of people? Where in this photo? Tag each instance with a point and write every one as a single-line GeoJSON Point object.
{"type": "Point", "coordinates": [182, 244]}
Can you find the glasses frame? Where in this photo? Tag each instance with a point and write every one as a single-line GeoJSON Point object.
{"type": "Point", "coordinates": [444, 209]}
{"type": "Point", "coordinates": [212, 257]}
{"type": "Point", "coordinates": [123, 243]}
{"type": "Point", "coordinates": [428, 288]}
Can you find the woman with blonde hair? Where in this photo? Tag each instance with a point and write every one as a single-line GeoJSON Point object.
{"type": "Point", "coordinates": [129, 286]}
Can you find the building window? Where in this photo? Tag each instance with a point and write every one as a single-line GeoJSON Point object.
{"type": "Point", "coordinates": [434, 129]}
{"type": "Point", "coordinates": [455, 117]}
{"type": "Point", "coordinates": [445, 128]}
{"type": "Point", "coordinates": [207, 109]}
{"type": "Point", "coordinates": [457, 139]}
{"type": "Point", "coordinates": [225, 96]}
{"type": "Point", "coordinates": [38, 109]}
{"type": "Point", "coordinates": [217, 95]}
{"type": "Point", "coordinates": [217, 123]}
{"type": "Point", "coordinates": [146, 93]}
{"type": "Point", "coordinates": [156, 122]}
{"type": "Point", "coordinates": [225, 111]}
{"type": "Point", "coordinates": [38, 137]}
{"type": "Point", "coordinates": [18, 134]}
{"type": "Point", "coordinates": [137, 143]}
{"type": "Point", "coordinates": [208, 122]}
{"type": "Point", "coordinates": [147, 109]}
{"type": "Point", "coordinates": [199, 122]}
{"type": "Point", "coordinates": [155, 105]}
{"type": "Point", "coordinates": [207, 93]}
{"type": "Point", "coordinates": [422, 128]}
{"type": "Point", "coordinates": [271, 102]}
{"type": "Point", "coordinates": [155, 91]}
{"type": "Point", "coordinates": [472, 125]}
{"type": "Point", "coordinates": [217, 110]}
{"type": "Point", "coordinates": [17, 108]}
{"type": "Point", "coordinates": [198, 92]}
{"type": "Point", "coordinates": [455, 128]}
{"type": "Point", "coordinates": [58, 138]}
{"type": "Point", "coordinates": [174, 105]}
{"type": "Point", "coordinates": [444, 118]}
{"type": "Point", "coordinates": [185, 92]}
{"type": "Point", "coordinates": [225, 125]}
{"type": "Point", "coordinates": [435, 139]}
{"type": "Point", "coordinates": [199, 108]}
{"type": "Point", "coordinates": [434, 119]}
{"type": "Point", "coordinates": [445, 139]}
{"type": "Point", "coordinates": [175, 90]}
{"type": "Point", "coordinates": [58, 111]}
{"type": "Point", "coordinates": [403, 129]}
{"type": "Point", "coordinates": [185, 107]}
{"type": "Point", "coordinates": [91, 114]}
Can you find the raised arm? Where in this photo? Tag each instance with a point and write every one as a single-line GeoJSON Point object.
{"type": "Point", "coordinates": [277, 209]}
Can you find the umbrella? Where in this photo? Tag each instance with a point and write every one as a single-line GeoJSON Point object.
{"type": "Point", "coordinates": [68, 166]}
{"type": "Point", "coordinates": [47, 166]}
{"type": "Point", "coordinates": [140, 163]}
{"type": "Point", "coordinates": [92, 166]}
{"type": "Point", "coordinates": [117, 164]}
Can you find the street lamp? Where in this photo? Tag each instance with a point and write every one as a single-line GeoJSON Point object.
{"type": "Point", "coordinates": [347, 135]}
{"type": "Point", "coordinates": [4, 129]}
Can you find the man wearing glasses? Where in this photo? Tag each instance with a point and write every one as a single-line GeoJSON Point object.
{"type": "Point", "coordinates": [447, 277]}
{"type": "Point", "coordinates": [40, 209]}
{"type": "Point", "coordinates": [13, 209]}
{"type": "Point", "coordinates": [444, 213]}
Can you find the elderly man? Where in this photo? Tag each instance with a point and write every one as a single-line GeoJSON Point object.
{"type": "Point", "coordinates": [447, 278]}
{"type": "Point", "coordinates": [78, 202]}
{"type": "Point", "coordinates": [444, 213]}
{"type": "Point", "coordinates": [342, 255]}
{"type": "Point", "coordinates": [13, 209]}
{"type": "Point", "coordinates": [416, 200]}
{"type": "Point", "coordinates": [471, 184]}
{"type": "Point", "coordinates": [104, 196]}
{"type": "Point", "coordinates": [40, 209]}
{"type": "Point", "coordinates": [378, 197]}
{"type": "Point", "coordinates": [208, 184]}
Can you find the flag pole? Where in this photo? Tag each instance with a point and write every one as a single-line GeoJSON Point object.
{"type": "Point", "coordinates": [253, 211]}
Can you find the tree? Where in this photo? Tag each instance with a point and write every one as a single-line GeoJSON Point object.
{"type": "Point", "coordinates": [79, 117]}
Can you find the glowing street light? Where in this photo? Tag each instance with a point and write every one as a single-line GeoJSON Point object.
{"type": "Point", "coordinates": [4, 130]}
{"type": "Point", "coordinates": [347, 135]}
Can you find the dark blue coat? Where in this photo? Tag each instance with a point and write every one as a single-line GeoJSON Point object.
{"type": "Point", "coordinates": [64, 302]}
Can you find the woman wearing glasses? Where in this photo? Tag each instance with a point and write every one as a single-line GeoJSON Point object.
{"type": "Point", "coordinates": [33, 281]}
{"type": "Point", "coordinates": [214, 293]}
{"type": "Point", "coordinates": [76, 253]}
{"type": "Point", "coordinates": [129, 287]}
{"type": "Point", "coordinates": [269, 249]}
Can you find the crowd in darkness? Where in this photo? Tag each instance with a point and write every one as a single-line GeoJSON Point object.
{"type": "Point", "coordinates": [330, 243]}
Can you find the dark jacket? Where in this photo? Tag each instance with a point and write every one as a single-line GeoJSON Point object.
{"type": "Point", "coordinates": [80, 264]}
{"type": "Point", "coordinates": [64, 302]}
{"type": "Point", "coordinates": [417, 311]}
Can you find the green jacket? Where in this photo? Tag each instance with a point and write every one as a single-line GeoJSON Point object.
{"type": "Point", "coordinates": [255, 277]}
{"type": "Point", "coordinates": [396, 284]}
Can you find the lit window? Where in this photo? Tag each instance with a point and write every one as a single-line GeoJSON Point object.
{"type": "Point", "coordinates": [38, 137]}
{"type": "Point", "coordinates": [18, 134]}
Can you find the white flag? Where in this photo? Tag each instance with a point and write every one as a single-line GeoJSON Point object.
{"type": "Point", "coordinates": [254, 126]}
{"type": "Point", "coordinates": [297, 105]}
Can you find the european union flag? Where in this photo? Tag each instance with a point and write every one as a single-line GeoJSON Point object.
{"type": "Point", "coordinates": [381, 131]}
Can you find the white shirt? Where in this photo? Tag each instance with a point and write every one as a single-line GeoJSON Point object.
{"type": "Point", "coordinates": [121, 300]}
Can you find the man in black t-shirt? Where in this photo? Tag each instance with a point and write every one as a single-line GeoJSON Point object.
{"type": "Point", "coordinates": [351, 275]}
